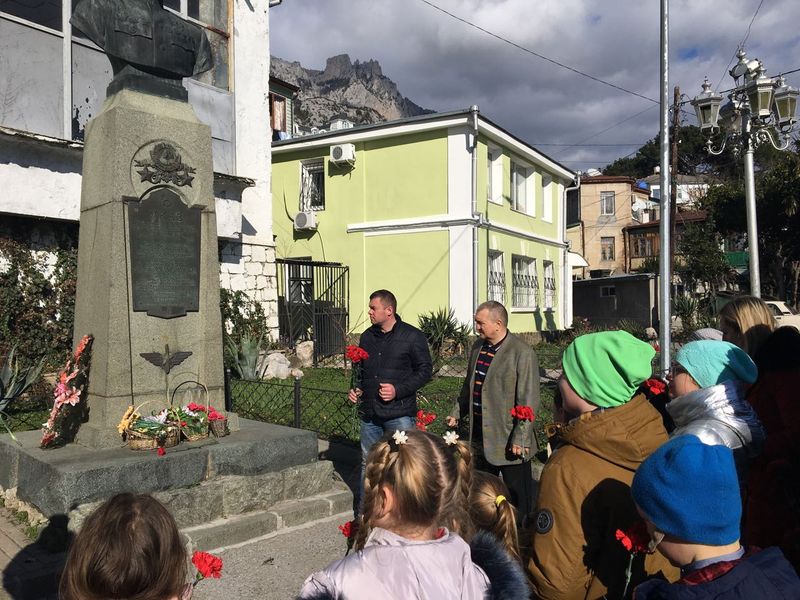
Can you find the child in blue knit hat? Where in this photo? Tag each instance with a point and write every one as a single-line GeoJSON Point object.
{"type": "Point", "coordinates": [708, 383]}
{"type": "Point", "coordinates": [688, 494]}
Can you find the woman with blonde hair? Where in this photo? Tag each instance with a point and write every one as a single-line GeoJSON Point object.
{"type": "Point", "coordinates": [416, 487]}
{"type": "Point", "coordinates": [492, 513]}
{"type": "Point", "coordinates": [747, 322]}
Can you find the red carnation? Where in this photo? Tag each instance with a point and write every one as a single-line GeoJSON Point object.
{"type": "Point", "coordinates": [636, 539]}
{"type": "Point", "coordinates": [348, 529]}
{"type": "Point", "coordinates": [656, 386]}
{"type": "Point", "coordinates": [207, 565]}
{"type": "Point", "coordinates": [161, 451]}
{"type": "Point", "coordinates": [356, 354]}
{"type": "Point", "coordinates": [522, 413]}
{"type": "Point", "coordinates": [424, 419]}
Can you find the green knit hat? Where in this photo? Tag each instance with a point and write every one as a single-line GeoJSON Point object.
{"type": "Point", "coordinates": [606, 368]}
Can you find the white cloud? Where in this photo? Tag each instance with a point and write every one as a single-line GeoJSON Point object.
{"type": "Point", "coordinates": [443, 64]}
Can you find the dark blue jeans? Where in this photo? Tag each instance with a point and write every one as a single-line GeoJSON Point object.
{"type": "Point", "coordinates": [371, 432]}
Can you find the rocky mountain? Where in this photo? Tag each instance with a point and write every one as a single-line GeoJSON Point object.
{"type": "Point", "coordinates": [356, 91]}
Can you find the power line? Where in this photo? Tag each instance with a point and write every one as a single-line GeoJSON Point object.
{"type": "Point", "coordinates": [741, 45]}
{"type": "Point", "coordinates": [588, 145]}
{"type": "Point", "coordinates": [586, 139]}
{"type": "Point", "coordinates": [536, 54]}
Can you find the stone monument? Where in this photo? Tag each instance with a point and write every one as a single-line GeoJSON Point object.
{"type": "Point", "coordinates": [148, 272]}
{"type": "Point", "coordinates": [148, 290]}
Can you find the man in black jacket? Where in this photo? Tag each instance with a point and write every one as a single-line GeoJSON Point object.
{"type": "Point", "coordinates": [399, 364]}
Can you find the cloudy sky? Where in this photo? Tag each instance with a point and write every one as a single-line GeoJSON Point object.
{"type": "Point", "coordinates": [443, 64]}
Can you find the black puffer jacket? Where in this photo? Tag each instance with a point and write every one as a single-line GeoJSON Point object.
{"type": "Point", "coordinates": [399, 357]}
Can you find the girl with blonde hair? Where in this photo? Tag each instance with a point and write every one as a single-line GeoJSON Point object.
{"type": "Point", "coordinates": [747, 322]}
{"type": "Point", "coordinates": [409, 542]}
{"type": "Point", "coordinates": [492, 513]}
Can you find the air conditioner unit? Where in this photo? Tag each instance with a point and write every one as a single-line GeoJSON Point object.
{"type": "Point", "coordinates": [343, 153]}
{"type": "Point", "coordinates": [305, 221]}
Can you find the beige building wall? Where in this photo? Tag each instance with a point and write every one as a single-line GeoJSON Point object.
{"type": "Point", "coordinates": [606, 209]}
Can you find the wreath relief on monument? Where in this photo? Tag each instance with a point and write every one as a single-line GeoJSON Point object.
{"type": "Point", "coordinates": [165, 165]}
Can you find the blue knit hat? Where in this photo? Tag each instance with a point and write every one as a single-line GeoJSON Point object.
{"type": "Point", "coordinates": [689, 490]}
{"type": "Point", "coordinates": [712, 362]}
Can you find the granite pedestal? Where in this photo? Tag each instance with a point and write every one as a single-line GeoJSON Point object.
{"type": "Point", "coordinates": [247, 472]}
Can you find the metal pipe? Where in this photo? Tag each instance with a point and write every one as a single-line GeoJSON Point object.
{"type": "Point", "coordinates": [665, 268]}
{"type": "Point", "coordinates": [566, 275]}
{"type": "Point", "coordinates": [476, 225]}
{"type": "Point", "coordinates": [750, 204]}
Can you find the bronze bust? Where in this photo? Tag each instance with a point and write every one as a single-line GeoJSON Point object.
{"type": "Point", "coordinates": [150, 48]}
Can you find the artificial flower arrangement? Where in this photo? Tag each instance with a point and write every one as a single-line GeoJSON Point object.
{"type": "Point", "coordinates": [68, 393]}
{"type": "Point", "coordinates": [156, 430]}
{"type": "Point", "coordinates": [193, 419]}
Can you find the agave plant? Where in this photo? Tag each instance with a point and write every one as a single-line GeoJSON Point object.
{"type": "Point", "coordinates": [244, 357]}
{"type": "Point", "coordinates": [14, 380]}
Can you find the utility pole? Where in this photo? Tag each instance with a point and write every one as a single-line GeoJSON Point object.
{"type": "Point", "coordinates": [673, 178]}
{"type": "Point", "coordinates": [664, 267]}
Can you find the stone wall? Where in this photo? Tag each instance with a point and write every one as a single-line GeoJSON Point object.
{"type": "Point", "coordinates": [251, 269]}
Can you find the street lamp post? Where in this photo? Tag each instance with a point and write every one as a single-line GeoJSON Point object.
{"type": "Point", "coordinates": [759, 109]}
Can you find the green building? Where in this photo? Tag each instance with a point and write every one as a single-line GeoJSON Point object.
{"type": "Point", "coordinates": [416, 207]}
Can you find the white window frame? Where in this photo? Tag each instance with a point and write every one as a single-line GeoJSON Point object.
{"type": "Point", "coordinates": [547, 198]}
{"type": "Point", "coordinates": [528, 204]}
{"type": "Point", "coordinates": [604, 197]}
{"type": "Point", "coordinates": [309, 169]}
{"type": "Point", "coordinates": [496, 285]}
{"type": "Point", "coordinates": [549, 285]}
{"type": "Point", "coordinates": [524, 283]}
{"type": "Point", "coordinates": [494, 175]}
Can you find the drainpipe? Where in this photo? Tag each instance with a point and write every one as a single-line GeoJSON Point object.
{"type": "Point", "coordinates": [566, 275]}
{"type": "Point", "coordinates": [473, 110]}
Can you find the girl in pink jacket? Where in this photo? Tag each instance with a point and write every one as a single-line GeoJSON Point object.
{"type": "Point", "coordinates": [416, 487]}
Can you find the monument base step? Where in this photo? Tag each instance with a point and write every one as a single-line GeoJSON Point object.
{"type": "Point", "coordinates": [281, 517]}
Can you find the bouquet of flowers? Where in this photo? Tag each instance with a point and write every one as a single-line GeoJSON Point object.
{"type": "Point", "coordinates": [356, 355]}
{"type": "Point", "coordinates": [65, 415]}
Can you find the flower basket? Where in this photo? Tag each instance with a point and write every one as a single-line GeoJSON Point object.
{"type": "Point", "coordinates": [138, 440]}
{"type": "Point", "coordinates": [219, 428]}
{"type": "Point", "coordinates": [190, 436]}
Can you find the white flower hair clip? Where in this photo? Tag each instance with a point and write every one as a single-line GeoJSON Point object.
{"type": "Point", "coordinates": [400, 437]}
{"type": "Point", "coordinates": [450, 438]}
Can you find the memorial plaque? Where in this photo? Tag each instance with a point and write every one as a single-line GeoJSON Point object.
{"type": "Point", "coordinates": [164, 237]}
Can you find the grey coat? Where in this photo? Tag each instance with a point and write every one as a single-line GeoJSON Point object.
{"type": "Point", "coordinates": [512, 379]}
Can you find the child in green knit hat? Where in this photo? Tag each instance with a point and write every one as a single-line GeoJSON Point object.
{"type": "Point", "coordinates": [584, 490]}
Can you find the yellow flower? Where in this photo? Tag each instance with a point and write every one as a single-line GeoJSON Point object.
{"type": "Point", "coordinates": [127, 419]}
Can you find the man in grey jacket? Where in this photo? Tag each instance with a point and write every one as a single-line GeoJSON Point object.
{"type": "Point", "coordinates": [503, 375]}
